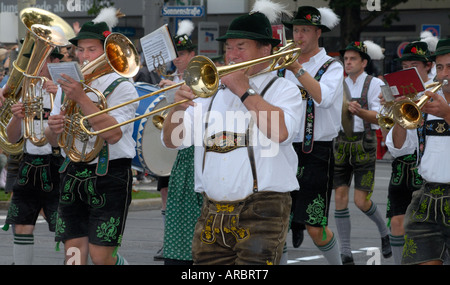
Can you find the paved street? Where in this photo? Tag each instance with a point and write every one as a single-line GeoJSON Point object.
{"type": "Point", "coordinates": [144, 233]}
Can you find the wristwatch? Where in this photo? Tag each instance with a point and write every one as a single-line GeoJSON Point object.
{"type": "Point", "coordinates": [300, 72]}
{"type": "Point", "coordinates": [249, 92]}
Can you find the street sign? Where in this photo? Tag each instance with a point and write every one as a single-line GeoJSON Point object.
{"type": "Point", "coordinates": [435, 29]}
{"type": "Point", "coordinates": [183, 11]}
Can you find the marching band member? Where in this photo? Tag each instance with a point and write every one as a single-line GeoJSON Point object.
{"type": "Point", "coordinates": [37, 184]}
{"type": "Point", "coordinates": [356, 155]}
{"type": "Point", "coordinates": [404, 178]}
{"type": "Point", "coordinates": [95, 196]}
{"type": "Point", "coordinates": [183, 203]}
{"type": "Point", "coordinates": [244, 166]}
{"type": "Point", "coordinates": [427, 233]}
{"type": "Point", "coordinates": [320, 80]}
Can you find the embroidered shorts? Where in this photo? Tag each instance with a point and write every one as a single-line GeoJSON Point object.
{"type": "Point", "coordinates": [427, 224]}
{"type": "Point", "coordinates": [404, 181]}
{"type": "Point", "coordinates": [250, 231]}
{"type": "Point", "coordinates": [94, 206]}
{"type": "Point", "coordinates": [36, 188]}
{"type": "Point", "coordinates": [311, 204]}
{"type": "Point", "coordinates": [355, 156]}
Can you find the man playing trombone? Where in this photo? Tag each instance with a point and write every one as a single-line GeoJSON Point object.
{"type": "Point", "coordinates": [96, 195]}
{"type": "Point", "coordinates": [244, 161]}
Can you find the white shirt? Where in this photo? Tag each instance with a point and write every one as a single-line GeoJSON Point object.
{"type": "Point", "coordinates": [228, 176]}
{"type": "Point", "coordinates": [327, 122]}
{"type": "Point", "coordinates": [435, 163]}
{"type": "Point", "coordinates": [124, 92]}
{"type": "Point", "coordinates": [373, 101]}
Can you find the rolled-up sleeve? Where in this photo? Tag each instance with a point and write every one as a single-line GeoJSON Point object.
{"type": "Point", "coordinates": [408, 147]}
{"type": "Point", "coordinates": [331, 86]}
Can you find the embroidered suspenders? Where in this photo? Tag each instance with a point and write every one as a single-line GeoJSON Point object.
{"type": "Point", "coordinates": [103, 158]}
{"type": "Point", "coordinates": [308, 137]}
{"type": "Point", "coordinates": [365, 104]}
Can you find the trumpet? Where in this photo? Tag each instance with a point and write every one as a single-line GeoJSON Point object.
{"type": "Point", "coordinates": [202, 76]}
{"type": "Point", "coordinates": [408, 113]}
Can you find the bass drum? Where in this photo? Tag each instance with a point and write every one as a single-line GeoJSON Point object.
{"type": "Point", "coordinates": [151, 156]}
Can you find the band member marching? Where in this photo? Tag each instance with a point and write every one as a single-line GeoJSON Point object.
{"type": "Point", "coordinates": [320, 80]}
{"type": "Point", "coordinates": [95, 198]}
{"type": "Point", "coordinates": [356, 155]}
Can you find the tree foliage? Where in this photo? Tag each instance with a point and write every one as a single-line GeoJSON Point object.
{"type": "Point", "coordinates": [355, 17]}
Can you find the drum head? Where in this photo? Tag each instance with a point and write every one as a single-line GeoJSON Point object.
{"type": "Point", "coordinates": [155, 158]}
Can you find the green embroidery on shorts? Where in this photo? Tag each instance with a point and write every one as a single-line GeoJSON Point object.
{"type": "Point", "coordinates": [37, 161]}
{"type": "Point", "coordinates": [409, 248]}
{"type": "Point", "coordinates": [45, 181]}
{"type": "Point", "coordinates": [84, 174]}
{"type": "Point", "coordinates": [397, 175]}
{"type": "Point", "coordinates": [60, 226]}
{"type": "Point", "coordinates": [422, 209]}
{"type": "Point", "coordinates": [367, 180]}
{"type": "Point", "coordinates": [66, 194]}
{"type": "Point", "coordinates": [13, 210]}
{"type": "Point", "coordinates": [108, 230]}
{"type": "Point", "coordinates": [315, 211]}
{"type": "Point", "coordinates": [447, 210]}
{"type": "Point", "coordinates": [438, 191]}
{"type": "Point", "coordinates": [23, 177]}
{"type": "Point", "coordinates": [53, 217]}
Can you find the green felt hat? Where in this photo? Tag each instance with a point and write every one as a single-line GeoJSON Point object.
{"type": "Point", "coordinates": [183, 42]}
{"type": "Point", "coordinates": [307, 16]}
{"type": "Point", "coordinates": [442, 47]}
{"type": "Point", "coordinates": [253, 26]}
{"type": "Point", "coordinates": [91, 30]}
{"type": "Point", "coordinates": [359, 47]}
{"type": "Point", "coordinates": [415, 51]}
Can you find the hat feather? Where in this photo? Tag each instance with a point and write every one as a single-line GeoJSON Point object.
{"type": "Point", "coordinates": [110, 16]}
{"type": "Point", "coordinates": [328, 18]}
{"type": "Point", "coordinates": [373, 50]}
{"type": "Point", "coordinates": [185, 27]}
{"type": "Point", "coordinates": [427, 36]}
{"type": "Point", "coordinates": [271, 10]}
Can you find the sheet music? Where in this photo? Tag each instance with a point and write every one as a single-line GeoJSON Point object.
{"type": "Point", "coordinates": [71, 68]}
{"type": "Point", "coordinates": [158, 47]}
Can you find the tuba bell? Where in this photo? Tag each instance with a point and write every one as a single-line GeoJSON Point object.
{"type": "Point", "coordinates": [120, 56]}
{"type": "Point", "coordinates": [46, 39]}
{"type": "Point", "coordinates": [12, 88]}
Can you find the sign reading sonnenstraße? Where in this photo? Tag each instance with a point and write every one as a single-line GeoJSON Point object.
{"type": "Point", "coordinates": [183, 11]}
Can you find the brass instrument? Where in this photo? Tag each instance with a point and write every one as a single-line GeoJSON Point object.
{"type": "Point", "coordinates": [120, 57]}
{"type": "Point", "coordinates": [385, 117]}
{"type": "Point", "coordinates": [202, 76]}
{"type": "Point", "coordinates": [11, 90]}
{"type": "Point", "coordinates": [46, 39]}
{"type": "Point", "coordinates": [407, 113]}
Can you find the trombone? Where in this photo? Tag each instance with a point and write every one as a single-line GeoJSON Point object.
{"type": "Point", "coordinates": [408, 113]}
{"type": "Point", "coordinates": [202, 76]}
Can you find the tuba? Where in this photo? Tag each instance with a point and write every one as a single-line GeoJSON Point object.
{"type": "Point", "coordinates": [121, 57]}
{"type": "Point", "coordinates": [12, 88]}
{"type": "Point", "coordinates": [408, 114]}
{"type": "Point", "coordinates": [46, 39]}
